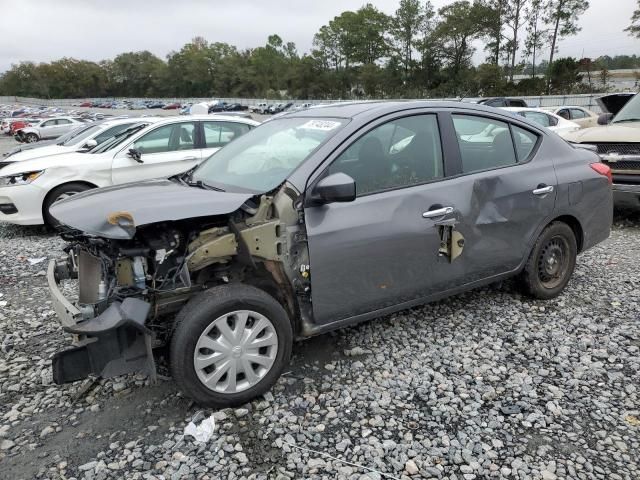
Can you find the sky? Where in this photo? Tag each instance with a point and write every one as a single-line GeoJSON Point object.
{"type": "Point", "coordinates": [45, 30]}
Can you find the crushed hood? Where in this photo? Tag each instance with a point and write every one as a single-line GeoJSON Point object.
{"type": "Point", "coordinates": [623, 133]}
{"type": "Point", "coordinates": [144, 203]}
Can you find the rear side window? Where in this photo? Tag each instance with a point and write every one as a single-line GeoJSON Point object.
{"type": "Point", "coordinates": [484, 143]}
{"type": "Point", "coordinates": [525, 142]}
{"type": "Point", "coordinates": [218, 134]}
{"type": "Point", "coordinates": [517, 103]}
{"type": "Point", "coordinates": [63, 121]}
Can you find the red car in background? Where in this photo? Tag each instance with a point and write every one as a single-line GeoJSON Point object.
{"type": "Point", "coordinates": [172, 106]}
{"type": "Point", "coordinates": [85, 104]}
{"type": "Point", "coordinates": [18, 124]}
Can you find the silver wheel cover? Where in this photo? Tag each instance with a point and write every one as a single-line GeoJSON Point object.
{"type": "Point", "coordinates": [235, 351]}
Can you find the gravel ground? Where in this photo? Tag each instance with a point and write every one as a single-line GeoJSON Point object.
{"type": "Point", "coordinates": [488, 384]}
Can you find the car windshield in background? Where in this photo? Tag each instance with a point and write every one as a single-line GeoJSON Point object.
{"type": "Point", "coordinates": [630, 112]}
{"type": "Point", "coordinates": [263, 158]}
{"type": "Point", "coordinates": [77, 135]}
{"type": "Point", "coordinates": [118, 138]}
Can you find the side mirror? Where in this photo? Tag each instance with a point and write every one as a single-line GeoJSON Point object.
{"type": "Point", "coordinates": [135, 154]}
{"type": "Point", "coordinates": [90, 144]}
{"type": "Point", "coordinates": [605, 118]}
{"type": "Point", "coordinates": [338, 187]}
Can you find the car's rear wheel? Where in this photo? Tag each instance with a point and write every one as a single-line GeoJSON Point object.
{"type": "Point", "coordinates": [230, 344]}
{"type": "Point", "coordinates": [551, 262]}
{"type": "Point", "coordinates": [31, 138]}
{"type": "Point", "coordinates": [60, 193]}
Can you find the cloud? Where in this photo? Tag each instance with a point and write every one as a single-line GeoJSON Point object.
{"type": "Point", "coordinates": [95, 30]}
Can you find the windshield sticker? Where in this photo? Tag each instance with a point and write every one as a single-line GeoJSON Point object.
{"type": "Point", "coordinates": [324, 125]}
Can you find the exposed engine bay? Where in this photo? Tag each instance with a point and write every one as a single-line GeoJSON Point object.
{"type": "Point", "coordinates": [130, 289]}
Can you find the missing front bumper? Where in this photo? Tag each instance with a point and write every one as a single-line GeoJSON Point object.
{"type": "Point", "coordinates": [113, 343]}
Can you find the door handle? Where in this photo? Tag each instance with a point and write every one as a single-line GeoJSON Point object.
{"type": "Point", "coordinates": [543, 189]}
{"type": "Point", "coordinates": [439, 212]}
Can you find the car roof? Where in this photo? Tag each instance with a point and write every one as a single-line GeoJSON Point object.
{"type": "Point", "coordinates": [120, 121]}
{"type": "Point", "coordinates": [355, 109]}
{"type": "Point", "coordinates": [217, 118]}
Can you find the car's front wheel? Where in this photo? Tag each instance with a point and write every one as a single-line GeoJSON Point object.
{"type": "Point", "coordinates": [551, 262]}
{"type": "Point", "coordinates": [229, 345]}
{"type": "Point", "coordinates": [31, 138]}
{"type": "Point", "coordinates": [60, 193]}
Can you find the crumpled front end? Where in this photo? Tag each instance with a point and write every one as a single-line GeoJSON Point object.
{"type": "Point", "coordinates": [109, 339]}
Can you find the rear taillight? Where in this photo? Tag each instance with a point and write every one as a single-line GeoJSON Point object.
{"type": "Point", "coordinates": [603, 170]}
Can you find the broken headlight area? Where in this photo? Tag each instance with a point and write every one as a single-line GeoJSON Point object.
{"type": "Point", "coordinates": [122, 287]}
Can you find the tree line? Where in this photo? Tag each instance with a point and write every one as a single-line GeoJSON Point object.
{"type": "Point", "coordinates": [418, 52]}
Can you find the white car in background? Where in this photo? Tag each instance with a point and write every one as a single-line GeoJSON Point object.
{"type": "Point", "coordinates": [48, 128]}
{"type": "Point", "coordinates": [141, 152]}
{"type": "Point", "coordinates": [553, 122]}
{"type": "Point", "coordinates": [584, 117]}
{"type": "Point", "coordinates": [82, 139]}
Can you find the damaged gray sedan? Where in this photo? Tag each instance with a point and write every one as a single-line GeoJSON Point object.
{"type": "Point", "coordinates": [311, 222]}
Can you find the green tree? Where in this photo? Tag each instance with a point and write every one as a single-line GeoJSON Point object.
{"type": "Point", "coordinates": [406, 26]}
{"type": "Point", "coordinates": [562, 16]}
{"type": "Point", "coordinates": [537, 35]}
{"type": "Point", "coordinates": [634, 28]}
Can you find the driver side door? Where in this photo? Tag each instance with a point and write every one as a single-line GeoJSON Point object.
{"type": "Point", "coordinates": [380, 249]}
{"type": "Point", "coordinates": [165, 151]}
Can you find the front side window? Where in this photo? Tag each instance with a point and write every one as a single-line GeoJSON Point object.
{"type": "Point", "coordinates": [484, 143]}
{"type": "Point", "coordinates": [263, 158]}
{"type": "Point", "coordinates": [48, 123]}
{"type": "Point", "coordinates": [169, 138]}
{"type": "Point", "coordinates": [400, 153]}
{"type": "Point", "coordinates": [564, 114]}
{"type": "Point", "coordinates": [218, 134]}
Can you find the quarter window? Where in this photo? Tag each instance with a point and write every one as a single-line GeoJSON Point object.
{"type": "Point", "coordinates": [169, 138]}
{"type": "Point", "coordinates": [218, 134]}
{"type": "Point", "coordinates": [525, 142]}
{"type": "Point", "coordinates": [484, 143]}
{"type": "Point", "coordinates": [398, 154]}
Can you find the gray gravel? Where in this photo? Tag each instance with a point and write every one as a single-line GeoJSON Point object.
{"type": "Point", "coordinates": [488, 384]}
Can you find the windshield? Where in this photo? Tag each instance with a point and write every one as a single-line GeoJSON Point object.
{"type": "Point", "coordinates": [118, 138]}
{"type": "Point", "coordinates": [630, 112]}
{"type": "Point", "coordinates": [77, 135]}
{"type": "Point", "coordinates": [260, 160]}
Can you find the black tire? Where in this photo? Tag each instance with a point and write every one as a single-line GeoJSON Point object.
{"type": "Point", "coordinates": [31, 138]}
{"type": "Point", "coordinates": [55, 194]}
{"type": "Point", "coordinates": [551, 262]}
{"type": "Point", "coordinates": [199, 314]}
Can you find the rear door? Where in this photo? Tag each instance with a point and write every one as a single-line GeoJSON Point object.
{"type": "Point", "coordinates": [504, 193]}
{"type": "Point", "coordinates": [165, 151]}
{"type": "Point", "coordinates": [217, 134]}
{"type": "Point", "coordinates": [63, 125]}
{"type": "Point", "coordinates": [47, 129]}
